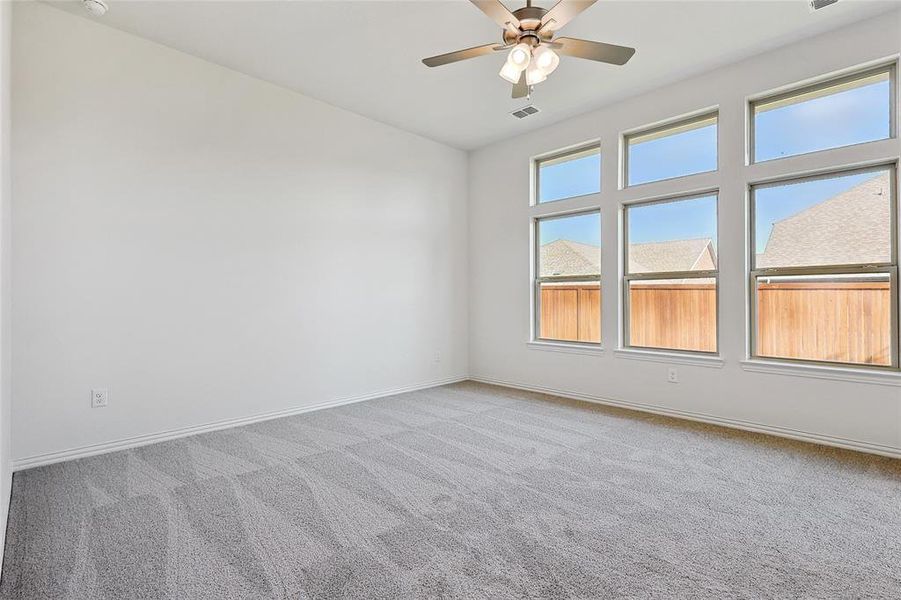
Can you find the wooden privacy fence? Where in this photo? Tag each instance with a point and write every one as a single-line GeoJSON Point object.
{"type": "Point", "coordinates": [571, 312]}
{"type": "Point", "coordinates": [821, 320]}
{"type": "Point", "coordinates": [825, 320]}
{"type": "Point", "coordinates": [678, 316]}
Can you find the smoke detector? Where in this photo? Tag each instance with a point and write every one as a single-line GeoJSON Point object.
{"type": "Point", "coordinates": [97, 8]}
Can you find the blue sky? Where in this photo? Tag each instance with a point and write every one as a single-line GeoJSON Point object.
{"type": "Point", "coordinates": [571, 178]}
{"type": "Point", "coordinates": [853, 116]}
{"type": "Point", "coordinates": [850, 117]}
{"type": "Point", "coordinates": [585, 228]}
{"type": "Point", "coordinates": [681, 220]}
{"type": "Point", "coordinates": [685, 153]}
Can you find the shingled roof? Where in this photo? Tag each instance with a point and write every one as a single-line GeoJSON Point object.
{"type": "Point", "coordinates": [674, 255]}
{"type": "Point", "coordinates": [851, 227]}
{"type": "Point", "coordinates": [566, 257]}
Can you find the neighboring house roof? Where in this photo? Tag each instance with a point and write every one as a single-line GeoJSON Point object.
{"type": "Point", "coordinates": [851, 227]}
{"type": "Point", "coordinates": [675, 255]}
{"type": "Point", "coordinates": [566, 257]}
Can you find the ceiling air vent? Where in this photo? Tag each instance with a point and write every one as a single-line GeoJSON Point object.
{"type": "Point", "coordinates": [818, 4]}
{"type": "Point", "coordinates": [522, 113]}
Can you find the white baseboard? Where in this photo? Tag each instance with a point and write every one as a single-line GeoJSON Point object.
{"type": "Point", "coordinates": [39, 460]}
{"type": "Point", "coordinates": [143, 440]}
{"type": "Point", "coordinates": [785, 432]}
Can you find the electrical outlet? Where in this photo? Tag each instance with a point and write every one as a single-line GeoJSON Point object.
{"type": "Point", "coordinates": [672, 375]}
{"type": "Point", "coordinates": [437, 357]}
{"type": "Point", "coordinates": [99, 398]}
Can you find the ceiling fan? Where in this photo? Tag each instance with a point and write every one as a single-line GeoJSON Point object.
{"type": "Point", "coordinates": [529, 35]}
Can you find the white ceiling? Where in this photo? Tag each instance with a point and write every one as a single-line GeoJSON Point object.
{"type": "Point", "coordinates": [365, 56]}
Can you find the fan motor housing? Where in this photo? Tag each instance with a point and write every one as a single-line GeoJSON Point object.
{"type": "Point", "coordinates": [529, 18]}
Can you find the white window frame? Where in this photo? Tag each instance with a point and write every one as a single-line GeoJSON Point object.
{"type": "Point", "coordinates": [629, 277]}
{"type": "Point", "coordinates": [537, 279]}
{"type": "Point", "coordinates": [670, 127]}
{"type": "Point", "coordinates": [812, 88]}
{"type": "Point", "coordinates": [731, 182]}
{"type": "Point", "coordinates": [562, 155]}
{"type": "Point", "coordinates": [888, 268]}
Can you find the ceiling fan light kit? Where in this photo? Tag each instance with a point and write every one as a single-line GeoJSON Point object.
{"type": "Point", "coordinates": [528, 33]}
{"type": "Point", "coordinates": [517, 61]}
{"type": "Point", "coordinates": [537, 62]}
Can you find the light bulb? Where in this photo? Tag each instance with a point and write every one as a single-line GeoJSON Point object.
{"type": "Point", "coordinates": [520, 56]}
{"type": "Point", "coordinates": [534, 75]}
{"type": "Point", "coordinates": [510, 72]}
{"type": "Point", "coordinates": [545, 59]}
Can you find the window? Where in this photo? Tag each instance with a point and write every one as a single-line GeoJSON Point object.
{"type": "Point", "coordinates": [671, 274]}
{"type": "Point", "coordinates": [824, 272]}
{"type": "Point", "coordinates": [823, 246]}
{"type": "Point", "coordinates": [574, 173]}
{"type": "Point", "coordinates": [842, 112]}
{"type": "Point", "coordinates": [674, 150]}
{"type": "Point", "coordinates": [568, 278]}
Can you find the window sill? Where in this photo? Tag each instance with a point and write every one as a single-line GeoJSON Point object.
{"type": "Point", "coordinates": [567, 348]}
{"type": "Point", "coordinates": [699, 360]}
{"type": "Point", "coordinates": [861, 375]}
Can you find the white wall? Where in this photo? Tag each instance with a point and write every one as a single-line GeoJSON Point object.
{"type": "Point", "coordinates": [5, 187]}
{"type": "Point", "coordinates": [832, 410]}
{"type": "Point", "coordinates": [208, 246]}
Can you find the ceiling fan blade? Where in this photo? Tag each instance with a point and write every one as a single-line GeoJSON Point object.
{"type": "Point", "coordinates": [599, 51]}
{"type": "Point", "coordinates": [562, 13]}
{"type": "Point", "coordinates": [450, 57]}
{"type": "Point", "coordinates": [497, 12]}
{"type": "Point", "coordinates": [520, 89]}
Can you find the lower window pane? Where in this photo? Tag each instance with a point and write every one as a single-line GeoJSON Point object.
{"type": "Point", "coordinates": [673, 314]}
{"type": "Point", "coordinates": [833, 318]}
{"type": "Point", "coordinates": [570, 311]}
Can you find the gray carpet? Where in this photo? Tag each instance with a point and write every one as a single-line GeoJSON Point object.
{"type": "Point", "coordinates": [464, 491]}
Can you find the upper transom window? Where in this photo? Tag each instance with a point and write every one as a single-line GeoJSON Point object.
{"type": "Point", "coordinates": [841, 112]}
{"type": "Point", "coordinates": [569, 174]}
{"type": "Point", "coordinates": [674, 150]}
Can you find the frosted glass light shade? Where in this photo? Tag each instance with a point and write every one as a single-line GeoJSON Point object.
{"type": "Point", "coordinates": [545, 59]}
{"type": "Point", "coordinates": [520, 56]}
{"type": "Point", "coordinates": [534, 75]}
{"type": "Point", "coordinates": [510, 72]}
